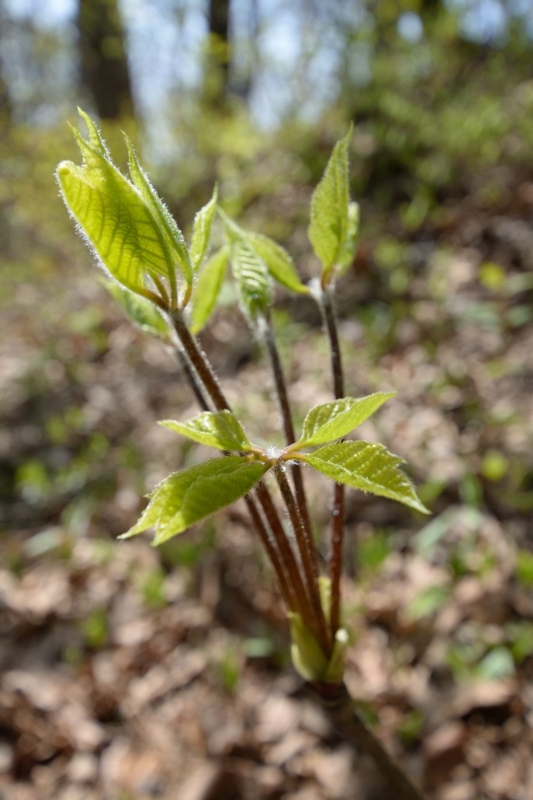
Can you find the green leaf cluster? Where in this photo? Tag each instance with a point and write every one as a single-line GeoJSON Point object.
{"type": "Point", "coordinates": [278, 262]}
{"type": "Point", "coordinates": [177, 502]}
{"type": "Point", "coordinates": [139, 243]}
{"type": "Point", "coordinates": [135, 238]}
{"type": "Point", "coordinates": [255, 259]}
{"type": "Point", "coordinates": [124, 221]}
{"type": "Point", "coordinates": [249, 270]}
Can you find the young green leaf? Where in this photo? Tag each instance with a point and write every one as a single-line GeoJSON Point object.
{"type": "Point", "coordinates": [201, 230]}
{"type": "Point", "coordinates": [330, 421]}
{"type": "Point", "coordinates": [175, 240]}
{"type": "Point", "coordinates": [220, 429]}
{"type": "Point", "coordinates": [307, 656]}
{"type": "Point", "coordinates": [95, 138]}
{"type": "Point", "coordinates": [192, 495]}
{"type": "Point", "coordinates": [249, 270]}
{"type": "Point", "coordinates": [351, 242]}
{"type": "Point", "coordinates": [251, 276]}
{"type": "Point", "coordinates": [366, 466]}
{"type": "Point", "coordinates": [278, 261]}
{"type": "Point", "coordinates": [118, 224]}
{"type": "Point", "coordinates": [207, 289]}
{"type": "Point", "coordinates": [233, 231]}
{"type": "Point", "coordinates": [144, 314]}
{"type": "Point", "coordinates": [114, 220]}
{"type": "Point", "coordinates": [328, 229]}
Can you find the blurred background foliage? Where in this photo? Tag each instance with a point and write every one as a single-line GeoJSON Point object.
{"type": "Point", "coordinates": [253, 93]}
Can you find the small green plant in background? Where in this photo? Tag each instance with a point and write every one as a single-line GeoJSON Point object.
{"type": "Point", "coordinates": [170, 289]}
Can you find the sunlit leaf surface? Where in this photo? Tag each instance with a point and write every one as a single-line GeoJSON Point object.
{"type": "Point", "coordinates": [201, 231]}
{"type": "Point", "coordinates": [328, 229]}
{"type": "Point", "coordinates": [369, 467]}
{"type": "Point", "coordinates": [207, 289]}
{"type": "Point", "coordinates": [219, 429]}
{"type": "Point", "coordinates": [192, 495]}
{"type": "Point", "coordinates": [330, 421]}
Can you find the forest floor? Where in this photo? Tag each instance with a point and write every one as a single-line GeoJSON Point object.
{"type": "Point", "coordinates": [128, 672]}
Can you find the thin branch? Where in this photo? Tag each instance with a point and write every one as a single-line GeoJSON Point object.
{"type": "Point", "coordinates": [303, 603]}
{"type": "Point", "coordinates": [287, 591]}
{"type": "Point", "coordinates": [200, 363]}
{"type": "Point", "coordinates": [311, 579]}
{"type": "Point", "coordinates": [337, 512]}
{"type": "Point", "coordinates": [341, 710]}
{"type": "Point", "coordinates": [336, 555]}
{"type": "Point", "coordinates": [301, 520]}
{"type": "Point", "coordinates": [267, 331]}
{"type": "Point", "coordinates": [334, 344]}
{"type": "Point", "coordinates": [191, 377]}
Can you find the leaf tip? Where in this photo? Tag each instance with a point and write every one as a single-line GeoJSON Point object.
{"type": "Point", "coordinates": [422, 508]}
{"type": "Point", "coordinates": [129, 143]}
{"type": "Point", "coordinates": [64, 168]}
{"type": "Point", "coordinates": [129, 534]}
{"type": "Point", "coordinates": [166, 423]}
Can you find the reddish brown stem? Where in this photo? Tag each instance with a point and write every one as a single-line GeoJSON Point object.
{"type": "Point", "coordinates": [191, 378]}
{"type": "Point", "coordinates": [337, 370]}
{"type": "Point", "coordinates": [337, 519]}
{"type": "Point", "coordinates": [287, 591]}
{"type": "Point", "coordinates": [303, 604]}
{"type": "Point", "coordinates": [200, 363]}
{"type": "Point", "coordinates": [306, 558]}
{"type": "Point", "coordinates": [300, 515]}
{"type": "Point", "coordinates": [335, 559]}
{"type": "Point", "coordinates": [288, 429]}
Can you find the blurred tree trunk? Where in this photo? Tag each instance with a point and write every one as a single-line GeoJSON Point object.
{"type": "Point", "coordinates": [217, 69]}
{"type": "Point", "coordinates": [242, 81]}
{"type": "Point", "coordinates": [5, 102]}
{"type": "Point", "coordinates": [430, 7]}
{"type": "Point", "coordinates": [6, 106]}
{"type": "Point", "coordinates": [431, 13]}
{"type": "Point", "coordinates": [104, 63]}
